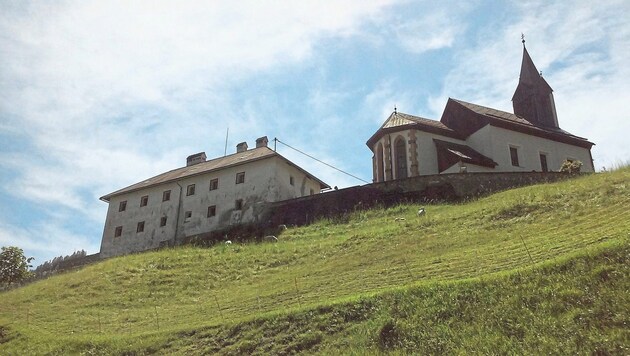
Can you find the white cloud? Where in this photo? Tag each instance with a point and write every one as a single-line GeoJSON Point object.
{"type": "Point", "coordinates": [108, 93]}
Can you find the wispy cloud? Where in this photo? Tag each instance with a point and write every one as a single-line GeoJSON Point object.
{"type": "Point", "coordinates": [108, 93]}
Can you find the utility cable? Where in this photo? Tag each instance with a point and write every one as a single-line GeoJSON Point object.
{"type": "Point", "coordinates": [322, 162]}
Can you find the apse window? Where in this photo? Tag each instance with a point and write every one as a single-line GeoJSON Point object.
{"type": "Point", "coordinates": [144, 200]}
{"type": "Point", "coordinates": [514, 156]}
{"type": "Point", "coordinates": [291, 180]}
{"type": "Point", "coordinates": [240, 178]}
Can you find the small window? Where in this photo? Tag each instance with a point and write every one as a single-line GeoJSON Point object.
{"type": "Point", "coordinates": [163, 221]}
{"type": "Point", "coordinates": [166, 196]}
{"type": "Point", "coordinates": [291, 180]}
{"type": "Point", "coordinates": [212, 211]}
{"type": "Point", "coordinates": [190, 190]}
{"type": "Point", "coordinates": [187, 215]}
{"type": "Point", "coordinates": [238, 204]}
{"type": "Point", "coordinates": [118, 231]}
{"type": "Point", "coordinates": [140, 227]}
{"type": "Point", "coordinates": [214, 184]}
{"type": "Point", "coordinates": [144, 200]}
{"type": "Point", "coordinates": [122, 206]}
{"type": "Point", "coordinates": [240, 177]}
{"type": "Point", "coordinates": [312, 191]}
{"type": "Point", "coordinates": [514, 156]}
{"type": "Point", "coordinates": [543, 163]}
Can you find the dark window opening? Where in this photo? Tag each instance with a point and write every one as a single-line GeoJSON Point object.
{"type": "Point", "coordinates": [118, 231]}
{"type": "Point", "coordinates": [514, 156]}
{"type": "Point", "coordinates": [240, 178]}
{"type": "Point", "coordinates": [144, 200]}
{"type": "Point", "coordinates": [291, 180]}
{"type": "Point", "coordinates": [238, 204]}
{"type": "Point", "coordinates": [212, 211]}
{"type": "Point", "coordinates": [187, 215]}
{"type": "Point", "coordinates": [214, 184]}
{"type": "Point", "coordinates": [140, 227]}
{"type": "Point", "coordinates": [122, 206]}
{"type": "Point", "coordinates": [543, 163]}
{"type": "Point", "coordinates": [163, 221]}
{"type": "Point", "coordinates": [166, 196]}
{"type": "Point", "coordinates": [190, 190]}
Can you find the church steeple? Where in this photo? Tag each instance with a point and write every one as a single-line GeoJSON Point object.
{"type": "Point", "coordinates": [533, 98]}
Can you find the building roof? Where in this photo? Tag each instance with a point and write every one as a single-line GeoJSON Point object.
{"type": "Point", "coordinates": [450, 153]}
{"type": "Point", "coordinates": [486, 115]}
{"type": "Point", "coordinates": [216, 164]}
{"type": "Point", "coordinates": [400, 121]}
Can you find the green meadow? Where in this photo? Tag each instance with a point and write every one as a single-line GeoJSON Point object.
{"type": "Point", "coordinates": [539, 269]}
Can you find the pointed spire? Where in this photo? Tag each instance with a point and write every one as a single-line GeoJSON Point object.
{"type": "Point", "coordinates": [533, 98]}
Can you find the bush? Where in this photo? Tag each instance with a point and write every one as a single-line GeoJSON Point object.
{"type": "Point", "coordinates": [572, 167]}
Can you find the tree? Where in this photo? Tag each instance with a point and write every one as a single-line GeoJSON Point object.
{"type": "Point", "coordinates": [13, 266]}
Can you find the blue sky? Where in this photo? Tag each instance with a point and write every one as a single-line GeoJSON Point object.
{"type": "Point", "coordinates": [97, 95]}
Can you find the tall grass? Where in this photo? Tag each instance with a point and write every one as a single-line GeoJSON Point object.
{"type": "Point", "coordinates": [146, 302]}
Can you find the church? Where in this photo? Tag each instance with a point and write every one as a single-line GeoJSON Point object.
{"type": "Point", "coordinates": [475, 138]}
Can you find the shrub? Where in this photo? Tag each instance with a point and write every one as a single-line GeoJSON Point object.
{"type": "Point", "coordinates": [572, 167]}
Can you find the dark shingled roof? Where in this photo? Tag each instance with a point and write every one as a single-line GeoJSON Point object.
{"type": "Point", "coordinates": [517, 123]}
{"type": "Point", "coordinates": [450, 153]}
{"type": "Point", "coordinates": [216, 164]}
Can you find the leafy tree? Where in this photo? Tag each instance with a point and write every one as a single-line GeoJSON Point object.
{"type": "Point", "coordinates": [13, 265]}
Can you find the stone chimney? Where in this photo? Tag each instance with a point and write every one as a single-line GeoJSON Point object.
{"type": "Point", "coordinates": [241, 147]}
{"type": "Point", "coordinates": [262, 142]}
{"type": "Point", "coordinates": [195, 159]}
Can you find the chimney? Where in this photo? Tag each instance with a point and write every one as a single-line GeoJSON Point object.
{"type": "Point", "coordinates": [195, 159]}
{"type": "Point", "coordinates": [262, 142]}
{"type": "Point", "coordinates": [241, 147]}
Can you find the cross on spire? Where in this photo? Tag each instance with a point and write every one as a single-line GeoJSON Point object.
{"type": "Point", "coordinates": [523, 38]}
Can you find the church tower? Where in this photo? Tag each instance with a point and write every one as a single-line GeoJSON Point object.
{"type": "Point", "coordinates": [533, 98]}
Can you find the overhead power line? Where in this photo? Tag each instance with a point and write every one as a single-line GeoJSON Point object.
{"type": "Point", "coordinates": [322, 162]}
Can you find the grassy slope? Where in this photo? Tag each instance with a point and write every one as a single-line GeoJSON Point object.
{"type": "Point", "coordinates": [336, 286]}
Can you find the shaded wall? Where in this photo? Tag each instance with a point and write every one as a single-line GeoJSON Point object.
{"type": "Point", "coordinates": [434, 188]}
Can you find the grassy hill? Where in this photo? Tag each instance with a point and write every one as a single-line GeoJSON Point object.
{"type": "Point", "coordinates": [541, 269]}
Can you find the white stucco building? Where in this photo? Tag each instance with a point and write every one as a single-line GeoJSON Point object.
{"type": "Point", "coordinates": [474, 138]}
{"type": "Point", "coordinates": [203, 196]}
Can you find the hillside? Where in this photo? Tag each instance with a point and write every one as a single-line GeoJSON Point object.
{"type": "Point", "coordinates": [535, 269]}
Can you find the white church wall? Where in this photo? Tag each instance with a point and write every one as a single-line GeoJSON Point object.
{"type": "Point", "coordinates": [529, 148]}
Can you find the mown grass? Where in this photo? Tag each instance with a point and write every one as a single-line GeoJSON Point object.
{"type": "Point", "coordinates": [188, 298]}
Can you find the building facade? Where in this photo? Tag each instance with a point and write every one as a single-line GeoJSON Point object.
{"type": "Point", "coordinates": [475, 138]}
{"type": "Point", "coordinates": [204, 196]}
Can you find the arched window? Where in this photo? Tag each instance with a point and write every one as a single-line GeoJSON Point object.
{"type": "Point", "coordinates": [380, 171]}
{"type": "Point", "coordinates": [400, 153]}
